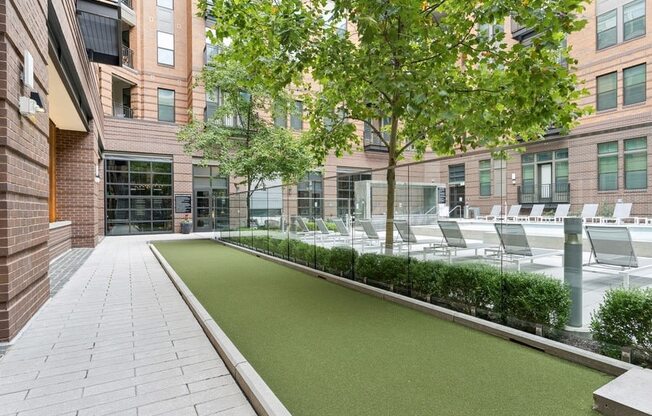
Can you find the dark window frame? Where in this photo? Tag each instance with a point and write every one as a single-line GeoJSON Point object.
{"type": "Point", "coordinates": [644, 84]}
{"type": "Point", "coordinates": [597, 33]}
{"type": "Point", "coordinates": [159, 105]}
{"type": "Point", "coordinates": [613, 154]}
{"type": "Point", "coordinates": [598, 93]}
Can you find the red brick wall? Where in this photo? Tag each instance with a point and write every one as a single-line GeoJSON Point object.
{"type": "Point", "coordinates": [59, 240]}
{"type": "Point", "coordinates": [24, 285]}
{"type": "Point", "coordinates": [78, 195]}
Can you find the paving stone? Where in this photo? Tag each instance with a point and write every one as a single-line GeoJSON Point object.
{"type": "Point", "coordinates": [115, 338]}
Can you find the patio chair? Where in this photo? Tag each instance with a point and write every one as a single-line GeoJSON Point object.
{"type": "Point", "coordinates": [495, 213]}
{"type": "Point", "coordinates": [455, 240]}
{"type": "Point", "coordinates": [407, 236]}
{"type": "Point", "coordinates": [590, 213]}
{"type": "Point", "coordinates": [535, 213]}
{"type": "Point", "coordinates": [612, 250]}
{"type": "Point", "coordinates": [341, 228]}
{"type": "Point", "coordinates": [560, 213]}
{"type": "Point", "coordinates": [621, 214]}
{"type": "Point", "coordinates": [512, 214]}
{"type": "Point", "coordinates": [515, 245]}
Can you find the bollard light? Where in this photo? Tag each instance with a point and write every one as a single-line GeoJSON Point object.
{"type": "Point", "coordinates": [573, 267]}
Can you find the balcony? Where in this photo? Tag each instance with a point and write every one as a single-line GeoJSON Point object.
{"type": "Point", "coordinates": [127, 57]}
{"type": "Point", "coordinates": [371, 143]}
{"type": "Point", "coordinates": [520, 32]}
{"type": "Point", "coordinates": [127, 12]}
{"type": "Point", "coordinates": [550, 193]}
{"type": "Point", "coordinates": [122, 111]}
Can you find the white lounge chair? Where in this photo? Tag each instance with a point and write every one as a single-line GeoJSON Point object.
{"type": "Point", "coordinates": [495, 213]}
{"type": "Point", "coordinates": [341, 228]}
{"type": "Point", "coordinates": [512, 214]}
{"type": "Point", "coordinates": [515, 245]}
{"type": "Point", "coordinates": [560, 213]}
{"type": "Point", "coordinates": [535, 213]}
{"type": "Point", "coordinates": [407, 236]}
{"type": "Point", "coordinates": [612, 250]}
{"type": "Point", "coordinates": [455, 240]}
{"type": "Point", "coordinates": [590, 213]}
{"type": "Point", "coordinates": [621, 214]}
{"type": "Point", "coordinates": [326, 233]}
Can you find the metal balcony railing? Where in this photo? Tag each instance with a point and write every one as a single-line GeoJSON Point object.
{"type": "Point", "coordinates": [123, 111]}
{"type": "Point", "coordinates": [127, 57]}
{"type": "Point", "coordinates": [128, 3]}
{"type": "Point", "coordinates": [553, 193]}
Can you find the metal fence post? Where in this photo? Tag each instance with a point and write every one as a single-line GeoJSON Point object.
{"type": "Point", "coordinates": [573, 267]}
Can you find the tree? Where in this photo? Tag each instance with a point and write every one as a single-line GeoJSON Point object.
{"type": "Point", "coordinates": [445, 81]}
{"type": "Point", "coordinates": [239, 138]}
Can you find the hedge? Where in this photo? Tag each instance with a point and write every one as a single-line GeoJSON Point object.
{"type": "Point", "coordinates": [528, 297]}
{"type": "Point", "coordinates": [624, 319]}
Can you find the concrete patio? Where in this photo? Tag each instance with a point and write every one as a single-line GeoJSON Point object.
{"type": "Point", "coordinates": [117, 338]}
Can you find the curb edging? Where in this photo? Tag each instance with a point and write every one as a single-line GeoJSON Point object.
{"type": "Point", "coordinates": [261, 397]}
{"type": "Point", "coordinates": [570, 353]}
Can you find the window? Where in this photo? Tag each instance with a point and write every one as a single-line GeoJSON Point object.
{"type": "Point", "coordinates": [634, 84]}
{"type": "Point", "coordinates": [346, 179]}
{"type": "Point", "coordinates": [296, 118]}
{"type": "Point", "coordinates": [456, 174]}
{"type": "Point", "coordinates": [212, 102]}
{"type": "Point", "coordinates": [165, 48]}
{"type": "Point", "coordinates": [485, 178]}
{"type": "Point", "coordinates": [168, 4]}
{"type": "Point", "coordinates": [165, 105]}
{"type": "Point", "coordinates": [607, 29]}
{"type": "Point", "coordinates": [607, 91]}
{"type": "Point", "coordinates": [634, 19]}
{"type": "Point", "coordinates": [310, 196]}
{"type": "Point", "coordinates": [608, 166]}
{"type": "Point", "coordinates": [280, 115]}
{"type": "Point", "coordinates": [636, 163]}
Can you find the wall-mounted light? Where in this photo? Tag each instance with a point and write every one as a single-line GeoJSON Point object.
{"type": "Point", "coordinates": [513, 178]}
{"type": "Point", "coordinates": [28, 69]}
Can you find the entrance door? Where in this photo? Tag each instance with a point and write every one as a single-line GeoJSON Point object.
{"type": "Point", "coordinates": [220, 209]}
{"type": "Point", "coordinates": [457, 199]}
{"type": "Point", "coordinates": [203, 220]}
{"type": "Point", "coordinates": [545, 180]}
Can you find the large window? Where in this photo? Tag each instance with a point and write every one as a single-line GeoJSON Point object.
{"type": "Point", "coordinates": [634, 19]}
{"type": "Point", "coordinates": [456, 174]}
{"type": "Point", "coordinates": [346, 179]}
{"type": "Point", "coordinates": [636, 163]}
{"type": "Point", "coordinates": [296, 118]}
{"type": "Point", "coordinates": [634, 84]}
{"type": "Point", "coordinates": [280, 114]}
{"type": "Point", "coordinates": [165, 105]}
{"type": "Point", "coordinates": [607, 29]}
{"type": "Point", "coordinates": [607, 86]}
{"type": "Point", "coordinates": [485, 177]}
{"type": "Point", "coordinates": [608, 166]}
{"type": "Point", "coordinates": [165, 32]}
{"type": "Point", "coordinates": [138, 196]}
{"type": "Point", "coordinates": [310, 195]}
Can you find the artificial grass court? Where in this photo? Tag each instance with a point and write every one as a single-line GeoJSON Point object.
{"type": "Point", "coordinates": [327, 350]}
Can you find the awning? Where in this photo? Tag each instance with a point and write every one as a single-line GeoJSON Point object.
{"type": "Point", "coordinates": [100, 26]}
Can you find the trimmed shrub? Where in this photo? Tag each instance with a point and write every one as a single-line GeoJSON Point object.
{"type": "Point", "coordinates": [366, 266]}
{"type": "Point", "coordinates": [341, 260]}
{"type": "Point", "coordinates": [386, 269]}
{"type": "Point", "coordinates": [426, 276]}
{"type": "Point", "coordinates": [624, 319]}
{"type": "Point", "coordinates": [533, 298]}
{"type": "Point", "coordinates": [471, 284]}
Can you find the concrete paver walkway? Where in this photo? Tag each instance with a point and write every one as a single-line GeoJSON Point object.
{"type": "Point", "coordinates": [117, 339]}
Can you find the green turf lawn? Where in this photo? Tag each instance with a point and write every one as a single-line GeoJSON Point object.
{"type": "Point", "coordinates": [327, 350]}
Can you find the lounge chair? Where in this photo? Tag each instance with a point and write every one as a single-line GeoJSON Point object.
{"type": "Point", "coordinates": [590, 213]}
{"type": "Point", "coordinates": [512, 214]}
{"type": "Point", "coordinates": [560, 213]}
{"type": "Point", "coordinates": [612, 250]}
{"type": "Point", "coordinates": [326, 233]}
{"type": "Point", "coordinates": [341, 228]}
{"type": "Point", "coordinates": [408, 237]}
{"type": "Point", "coordinates": [621, 214]}
{"type": "Point", "coordinates": [515, 245]}
{"type": "Point", "coordinates": [535, 213]}
{"type": "Point", "coordinates": [495, 213]}
{"type": "Point", "coordinates": [455, 240]}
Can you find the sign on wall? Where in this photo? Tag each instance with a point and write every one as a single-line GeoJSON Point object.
{"type": "Point", "coordinates": [183, 204]}
{"type": "Point", "coordinates": [442, 195]}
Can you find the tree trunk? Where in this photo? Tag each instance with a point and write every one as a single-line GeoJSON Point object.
{"type": "Point", "coordinates": [391, 189]}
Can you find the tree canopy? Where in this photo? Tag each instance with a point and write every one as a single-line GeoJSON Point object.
{"type": "Point", "coordinates": [442, 72]}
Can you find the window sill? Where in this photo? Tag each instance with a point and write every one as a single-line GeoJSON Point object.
{"type": "Point", "coordinates": [606, 48]}
{"type": "Point", "coordinates": [636, 191]}
{"type": "Point", "coordinates": [639, 104]}
{"type": "Point", "coordinates": [608, 110]}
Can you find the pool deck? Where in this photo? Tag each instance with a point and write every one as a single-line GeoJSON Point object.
{"type": "Point", "coordinates": [117, 338]}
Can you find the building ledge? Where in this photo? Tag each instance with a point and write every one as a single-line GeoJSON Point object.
{"type": "Point", "coordinates": [60, 224]}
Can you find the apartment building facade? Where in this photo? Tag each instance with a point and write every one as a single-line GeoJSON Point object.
{"type": "Point", "coordinates": [606, 158]}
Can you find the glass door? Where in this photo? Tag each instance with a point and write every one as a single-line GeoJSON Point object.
{"type": "Point", "coordinates": [545, 180]}
{"type": "Point", "coordinates": [203, 220]}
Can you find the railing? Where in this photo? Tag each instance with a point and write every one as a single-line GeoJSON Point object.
{"type": "Point", "coordinates": [519, 32]}
{"type": "Point", "coordinates": [127, 57]}
{"type": "Point", "coordinates": [554, 193]}
{"type": "Point", "coordinates": [123, 111]}
{"type": "Point", "coordinates": [128, 3]}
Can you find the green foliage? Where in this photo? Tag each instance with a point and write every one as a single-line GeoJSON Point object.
{"type": "Point", "coordinates": [624, 319]}
{"type": "Point", "coordinates": [443, 85]}
{"type": "Point", "coordinates": [341, 260]}
{"type": "Point", "coordinates": [528, 297]}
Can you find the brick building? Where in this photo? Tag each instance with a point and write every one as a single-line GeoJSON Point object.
{"type": "Point", "coordinates": [101, 156]}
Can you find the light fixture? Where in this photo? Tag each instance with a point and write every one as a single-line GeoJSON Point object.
{"type": "Point", "coordinates": [36, 97]}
